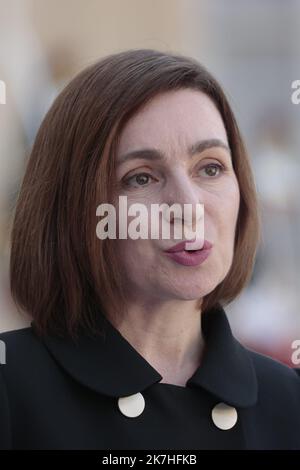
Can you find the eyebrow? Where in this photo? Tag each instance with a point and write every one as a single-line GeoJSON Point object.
{"type": "Point", "coordinates": [154, 154]}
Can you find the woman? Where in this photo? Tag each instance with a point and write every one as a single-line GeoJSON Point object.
{"type": "Point", "coordinates": [130, 346]}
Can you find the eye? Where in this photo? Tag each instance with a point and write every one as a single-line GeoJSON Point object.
{"type": "Point", "coordinates": [138, 180]}
{"type": "Point", "coordinates": [213, 169]}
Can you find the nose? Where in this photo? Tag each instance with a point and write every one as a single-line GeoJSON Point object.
{"type": "Point", "coordinates": [188, 196]}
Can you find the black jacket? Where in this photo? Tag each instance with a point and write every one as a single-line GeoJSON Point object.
{"type": "Point", "coordinates": [55, 394]}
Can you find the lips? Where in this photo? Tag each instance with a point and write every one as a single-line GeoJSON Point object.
{"type": "Point", "coordinates": [182, 246]}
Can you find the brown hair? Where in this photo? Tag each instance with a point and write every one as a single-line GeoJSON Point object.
{"type": "Point", "coordinates": [60, 272]}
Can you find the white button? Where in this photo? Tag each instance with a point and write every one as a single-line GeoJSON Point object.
{"type": "Point", "coordinates": [132, 405]}
{"type": "Point", "coordinates": [224, 416]}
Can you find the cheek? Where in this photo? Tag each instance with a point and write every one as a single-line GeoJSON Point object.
{"type": "Point", "coordinates": [230, 201]}
{"type": "Point", "coordinates": [235, 203]}
{"type": "Point", "coordinates": [134, 255]}
{"type": "Point", "coordinates": [229, 221]}
{"type": "Point", "coordinates": [223, 212]}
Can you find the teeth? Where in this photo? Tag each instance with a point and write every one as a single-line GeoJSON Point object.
{"type": "Point", "coordinates": [189, 248]}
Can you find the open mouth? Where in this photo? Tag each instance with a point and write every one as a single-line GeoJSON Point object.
{"type": "Point", "coordinates": [188, 257]}
{"type": "Point", "coordinates": [183, 247]}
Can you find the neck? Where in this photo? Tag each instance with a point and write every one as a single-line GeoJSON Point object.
{"type": "Point", "coordinates": [168, 335]}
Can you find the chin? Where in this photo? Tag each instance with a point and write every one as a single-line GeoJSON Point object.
{"type": "Point", "coordinates": [192, 292]}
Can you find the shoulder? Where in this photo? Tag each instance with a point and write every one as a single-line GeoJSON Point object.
{"type": "Point", "coordinates": [275, 378]}
{"type": "Point", "coordinates": [19, 344]}
{"type": "Point", "coordinates": [22, 352]}
{"type": "Point", "coordinates": [274, 421]}
{"type": "Point", "coordinates": [13, 336]}
{"type": "Point", "coordinates": [15, 347]}
{"type": "Point", "coordinates": [272, 367]}
{"type": "Point", "coordinates": [24, 367]}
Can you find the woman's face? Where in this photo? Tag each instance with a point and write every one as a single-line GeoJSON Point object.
{"type": "Point", "coordinates": [172, 123]}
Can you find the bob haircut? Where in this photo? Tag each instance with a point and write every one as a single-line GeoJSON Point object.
{"type": "Point", "coordinates": [60, 272]}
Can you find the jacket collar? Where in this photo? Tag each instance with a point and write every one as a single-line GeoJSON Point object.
{"type": "Point", "coordinates": [111, 366]}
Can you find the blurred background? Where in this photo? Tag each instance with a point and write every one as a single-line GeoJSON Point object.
{"type": "Point", "coordinates": [253, 49]}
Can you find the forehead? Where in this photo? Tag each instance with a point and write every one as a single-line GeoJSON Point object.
{"type": "Point", "coordinates": [172, 121]}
